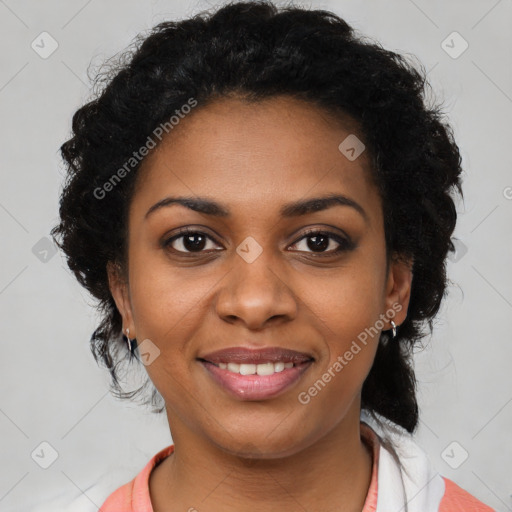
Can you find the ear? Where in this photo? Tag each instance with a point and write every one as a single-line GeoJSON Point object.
{"type": "Point", "coordinates": [398, 287]}
{"type": "Point", "coordinates": [119, 290]}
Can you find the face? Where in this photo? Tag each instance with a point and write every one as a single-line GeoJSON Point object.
{"type": "Point", "coordinates": [255, 272]}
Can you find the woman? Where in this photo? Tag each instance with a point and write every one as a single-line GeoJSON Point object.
{"type": "Point", "coordinates": [262, 204]}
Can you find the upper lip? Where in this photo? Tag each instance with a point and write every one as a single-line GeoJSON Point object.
{"type": "Point", "coordinates": [243, 355]}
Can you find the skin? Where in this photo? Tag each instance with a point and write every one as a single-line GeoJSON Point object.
{"type": "Point", "coordinates": [274, 454]}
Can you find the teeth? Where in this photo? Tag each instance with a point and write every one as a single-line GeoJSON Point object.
{"type": "Point", "coordinates": [258, 369]}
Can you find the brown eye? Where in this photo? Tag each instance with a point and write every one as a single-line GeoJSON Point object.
{"type": "Point", "coordinates": [188, 241]}
{"type": "Point", "coordinates": [320, 241]}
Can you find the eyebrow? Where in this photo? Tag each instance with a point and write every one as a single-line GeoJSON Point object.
{"type": "Point", "coordinates": [295, 209]}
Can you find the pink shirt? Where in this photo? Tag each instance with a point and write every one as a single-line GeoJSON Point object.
{"type": "Point", "coordinates": [134, 496]}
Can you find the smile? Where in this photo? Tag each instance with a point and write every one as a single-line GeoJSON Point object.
{"type": "Point", "coordinates": [255, 381]}
{"type": "Point", "coordinates": [256, 369]}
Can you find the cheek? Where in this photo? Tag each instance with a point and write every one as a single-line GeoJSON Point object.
{"type": "Point", "coordinates": [350, 300]}
{"type": "Point", "coordinates": [165, 301]}
{"type": "Point", "coordinates": [167, 308]}
{"type": "Point", "coordinates": [350, 346]}
{"type": "Point", "coordinates": [347, 310]}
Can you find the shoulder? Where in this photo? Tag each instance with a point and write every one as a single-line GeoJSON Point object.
{"type": "Point", "coordinates": [135, 495]}
{"type": "Point", "coordinates": [121, 499]}
{"type": "Point", "coordinates": [407, 474]}
{"type": "Point", "coordinates": [456, 499]}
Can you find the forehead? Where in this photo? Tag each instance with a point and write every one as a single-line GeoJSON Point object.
{"type": "Point", "coordinates": [254, 156]}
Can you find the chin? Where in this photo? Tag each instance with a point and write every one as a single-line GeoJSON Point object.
{"type": "Point", "coordinates": [249, 446]}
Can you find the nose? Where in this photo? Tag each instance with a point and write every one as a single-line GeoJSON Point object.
{"type": "Point", "coordinates": [256, 293]}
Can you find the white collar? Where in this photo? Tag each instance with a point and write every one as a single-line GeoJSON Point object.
{"type": "Point", "coordinates": [417, 486]}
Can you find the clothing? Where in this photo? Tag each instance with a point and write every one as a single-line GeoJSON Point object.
{"type": "Point", "coordinates": [417, 484]}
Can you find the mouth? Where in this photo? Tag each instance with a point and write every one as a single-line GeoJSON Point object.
{"type": "Point", "coordinates": [268, 368]}
{"type": "Point", "coordinates": [250, 374]}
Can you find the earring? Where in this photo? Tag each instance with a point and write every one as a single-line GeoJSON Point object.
{"type": "Point", "coordinates": [393, 325]}
{"type": "Point", "coordinates": [128, 341]}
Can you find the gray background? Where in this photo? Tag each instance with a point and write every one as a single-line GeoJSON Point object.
{"type": "Point", "coordinates": [51, 389]}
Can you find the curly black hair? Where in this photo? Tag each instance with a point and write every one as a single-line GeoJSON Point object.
{"type": "Point", "coordinates": [255, 50]}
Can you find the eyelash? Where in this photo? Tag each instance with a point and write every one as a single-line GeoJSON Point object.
{"type": "Point", "coordinates": [345, 244]}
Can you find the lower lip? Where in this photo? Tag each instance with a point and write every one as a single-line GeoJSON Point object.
{"type": "Point", "coordinates": [256, 387]}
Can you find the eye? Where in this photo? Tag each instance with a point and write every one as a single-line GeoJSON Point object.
{"type": "Point", "coordinates": [320, 241]}
{"type": "Point", "coordinates": [188, 241]}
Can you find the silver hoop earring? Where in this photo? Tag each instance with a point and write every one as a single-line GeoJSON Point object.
{"type": "Point", "coordinates": [393, 325]}
{"type": "Point", "coordinates": [128, 341]}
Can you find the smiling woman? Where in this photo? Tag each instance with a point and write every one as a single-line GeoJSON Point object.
{"type": "Point", "coordinates": [274, 259]}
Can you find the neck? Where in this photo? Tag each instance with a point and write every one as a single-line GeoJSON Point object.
{"type": "Point", "coordinates": [331, 474]}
